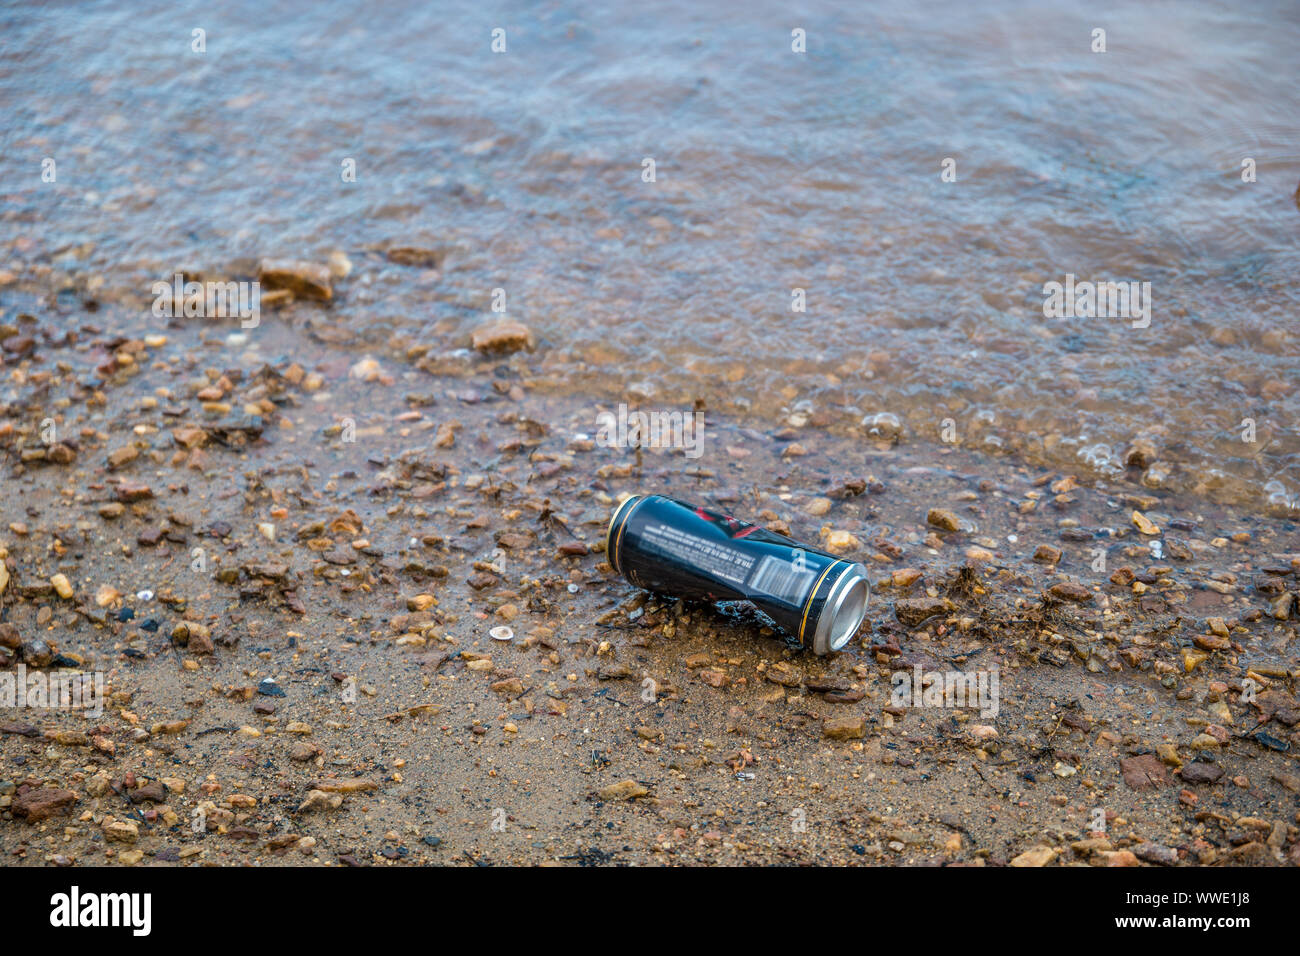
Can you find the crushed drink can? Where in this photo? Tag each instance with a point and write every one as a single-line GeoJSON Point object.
{"type": "Point", "coordinates": [679, 550]}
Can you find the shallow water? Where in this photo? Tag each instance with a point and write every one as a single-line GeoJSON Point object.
{"type": "Point", "coordinates": [774, 170]}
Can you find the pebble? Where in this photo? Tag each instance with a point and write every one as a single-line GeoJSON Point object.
{"type": "Point", "coordinates": [840, 541]}
{"type": "Point", "coordinates": [106, 595]}
{"type": "Point", "coordinates": [1069, 591]}
{"type": "Point", "coordinates": [40, 803]}
{"type": "Point", "coordinates": [943, 519]}
{"type": "Point", "coordinates": [320, 800]}
{"type": "Point", "coordinates": [1156, 853]}
{"type": "Point", "coordinates": [62, 586]}
{"type": "Point", "coordinates": [912, 612]}
{"type": "Point", "coordinates": [121, 831]}
{"type": "Point", "coordinates": [905, 577]}
{"type": "Point", "coordinates": [122, 456]}
{"type": "Point", "coordinates": [1201, 773]}
{"type": "Point", "coordinates": [1038, 856]}
{"type": "Point", "coordinates": [307, 279]}
{"type": "Point", "coordinates": [623, 790]}
{"type": "Point", "coordinates": [502, 335]}
{"type": "Point", "coordinates": [1144, 524]}
{"type": "Point", "coordinates": [844, 728]}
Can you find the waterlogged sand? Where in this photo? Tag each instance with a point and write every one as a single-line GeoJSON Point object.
{"type": "Point", "coordinates": [313, 680]}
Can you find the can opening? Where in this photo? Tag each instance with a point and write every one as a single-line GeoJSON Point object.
{"type": "Point", "coordinates": [849, 614]}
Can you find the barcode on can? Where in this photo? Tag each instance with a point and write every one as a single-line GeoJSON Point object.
{"type": "Point", "coordinates": [782, 579]}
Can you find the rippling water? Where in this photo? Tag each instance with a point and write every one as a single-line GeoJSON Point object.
{"type": "Point", "coordinates": [774, 171]}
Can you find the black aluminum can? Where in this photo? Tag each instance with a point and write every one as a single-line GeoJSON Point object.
{"type": "Point", "coordinates": [679, 550]}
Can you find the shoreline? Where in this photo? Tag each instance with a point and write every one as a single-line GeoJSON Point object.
{"type": "Point", "coordinates": [362, 578]}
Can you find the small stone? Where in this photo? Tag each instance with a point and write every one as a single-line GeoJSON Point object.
{"type": "Point", "coordinates": [912, 612]}
{"type": "Point", "coordinates": [1168, 755]}
{"type": "Point", "coordinates": [905, 577]}
{"type": "Point", "coordinates": [785, 674]}
{"type": "Point", "coordinates": [62, 586]}
{"type": "Point", "coordinates": [61, 454]}
{"type": "Point", "coordinates": [1119, 858]}
{"type": "Point", "coordinates": [122, 456]}
{"type": "Point", "coordinates": [189, 436]}
{"type": "Point", "coordinates": [1155, 853]}
{"type": "Point", "coordinates": [1038, 856]}
{"type": "Point", "coordinates": [1144, 524]}
{"type": "Point", "coordinates": [41, 802]}
{"type": "Point", "coordinates": [818, 507]}
{"type": "Point", "coordinates": [121, 831]}
{"type": "Point", "coordinates": [306, 279]}
{"type": "Point", "coordinates": [1047, 554]}
{"type": "Point", "coordinates": [844, 728]}
{"type": "Point", "coordinates": [840, 541]}
{"type": "Point", "coordinates": [943, 519]}
{"type": "Point", "coordinates": [511, 686]}
{"type": "Point", "coordinates": [320, 800]}
{"type": "Point", "coordinates": [1069, 591]}
{"type": "Point", "coordinates": [106, 595]}
{"type": "Point", "coordinates": [420, 602]}
{"type": "Point", "coordinates": [129, 493]}
{"type": "Point", "coordinates": [1201, 773]}
{"type": "Point", "coordinates": [623, 790]}
{"type": "Point", "coordinates": [1143, 771]}
{"type": "Point", "coordinates": [502, 335]}
{"type": "Point", "coordinates": [303, 752]}
{"type": "Point", "coordinates": [415, 256]}
{"type": "Point", "coordinates": [352, 785]}
{"type": "Point", "coordinates": [714, 677]}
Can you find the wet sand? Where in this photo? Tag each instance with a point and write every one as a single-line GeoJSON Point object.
{"type": "Point", "coordinates": [318, 684]}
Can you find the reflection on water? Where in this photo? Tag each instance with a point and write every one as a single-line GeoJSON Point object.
{"type": "Point", "coordinates": [774, 171]}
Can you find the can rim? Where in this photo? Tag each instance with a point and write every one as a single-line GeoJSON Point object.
{"type": "Point", "coordinates": [611, 546]}
{"type": "Point", "coordinates": [844, 610]}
